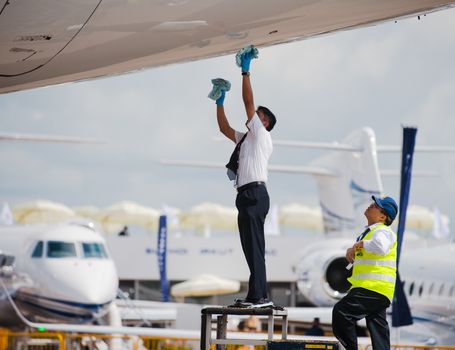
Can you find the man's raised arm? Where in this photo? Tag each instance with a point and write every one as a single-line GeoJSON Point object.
{"type": "Point", "coordinates": [247, 94]}
{"type": "Point", "coordinates": [223, 123]}
{"type": "Point", "coordinates": [247, 91]}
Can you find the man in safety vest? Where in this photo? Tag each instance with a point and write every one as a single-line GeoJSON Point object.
{"type": "Point", "coordinates": [374, 259]}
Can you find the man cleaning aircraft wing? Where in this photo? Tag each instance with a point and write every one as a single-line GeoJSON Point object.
{"type": "Point", "coordinates": [248, 167]}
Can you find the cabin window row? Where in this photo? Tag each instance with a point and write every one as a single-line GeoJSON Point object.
{"type": "Point", "coordinates": [429, 288]}
{"type": "Point", "coordinates": [60, 249]}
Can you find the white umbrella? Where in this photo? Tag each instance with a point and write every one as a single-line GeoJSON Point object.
{"type": "Point", "coordinates": [422, 218]}
{"type": "Point", "coordinates": [173, 216]}
{"type": "Point", "coordinates": [211, 215]}
{"type": "Point", "coordinates": [41, 212]}
{"type": "Point", "coordinates": [126, 213]}
{"type": "Point", "coordinates": [301, 216]}
{"type": "Point", "coordinates": [88, 211]}
{"type": "Point", "coordinates": [418, 217]}
{"type": "Point", "coordinates": [204, 285]}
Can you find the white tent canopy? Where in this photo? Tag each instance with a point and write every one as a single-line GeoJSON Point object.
{"type": "Point", "coordinates": [205, 285]}
{"type": "Point", "coordinates": [41, 211]}
{"type": "Point", "coordinates": [210, 215]}
{"type": "Point", "coordinates": [301, 216]}
{"type": "Point", "coordinates": [88, 211]}
{"type": "Point", "coordinates": [422, 218]}
{"type": "Point", "coordinates": [127, 213]}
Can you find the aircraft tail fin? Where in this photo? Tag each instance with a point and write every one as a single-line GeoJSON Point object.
{"type": "Point", "coordinates": [343, 198]}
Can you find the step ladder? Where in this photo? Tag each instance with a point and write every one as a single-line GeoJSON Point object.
{"type": "Point", "coordinates": [222, 314]}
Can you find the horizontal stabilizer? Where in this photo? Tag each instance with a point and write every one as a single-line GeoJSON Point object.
{"type": "Point", "coordinates": [309, 170]}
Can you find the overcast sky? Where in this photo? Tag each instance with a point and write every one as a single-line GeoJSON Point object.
{"type": "Point", "coordinates": [320, 90]}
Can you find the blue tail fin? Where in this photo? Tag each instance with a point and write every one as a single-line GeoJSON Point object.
{"type": "Point", "coordinates": [401, 314]}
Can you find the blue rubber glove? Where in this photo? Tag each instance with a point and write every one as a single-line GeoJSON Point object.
{"type": "Point", "coordinates": [220, 100]}
{"type": "Point", "coordinates": [246, 60]}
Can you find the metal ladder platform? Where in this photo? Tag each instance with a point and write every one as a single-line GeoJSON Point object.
{"type": "Point", "coordinates": [222, 314]}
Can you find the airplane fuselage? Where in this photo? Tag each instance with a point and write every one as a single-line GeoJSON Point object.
{"type": "Point", "coordinates": [62, 273]}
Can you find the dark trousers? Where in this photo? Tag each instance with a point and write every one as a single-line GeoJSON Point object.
{"type": "Point", "coordinates": [253, 205]}
{"type": "Point", "coordinates": [357, 304]}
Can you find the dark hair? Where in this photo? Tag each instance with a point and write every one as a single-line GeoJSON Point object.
{"type": "Point", "coordinates": [388, 220]}
{"type": "Point", "coordinates": [269, 115]}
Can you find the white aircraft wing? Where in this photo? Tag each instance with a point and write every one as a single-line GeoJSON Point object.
{"type": "Point", "coordinates": [290, 169]}
{"type": "Point", "coordinates": [46, 138]}
{"type": "Point", "coordinates": [310, 170]}
{"type": "Point", "coordinates": [55, 41]}
{"type": "Point", "coordinates": [335, 146]}
{"type": "Point", "coordinates": [331, 146]}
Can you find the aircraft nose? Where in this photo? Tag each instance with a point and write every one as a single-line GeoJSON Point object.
{"type": "Point", "coordinates": [89, 282]}
{"type": "Point", "coordinates": [100, 283]}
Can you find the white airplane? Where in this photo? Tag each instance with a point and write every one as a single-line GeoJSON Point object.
{"type": "Point", "coordinates": [62, 278]}
{"type": "Point", "coordinates": [52, 41]}
{"type": "Point", "coordinates": [59, 273]}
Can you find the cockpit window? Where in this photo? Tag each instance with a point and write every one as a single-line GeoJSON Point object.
{"type": "Point", "coordinates": [38, 251]}
{"type": "Point", "coordinates": [57, 249]}
{"type": "Point", "coordinates": [94, 250]}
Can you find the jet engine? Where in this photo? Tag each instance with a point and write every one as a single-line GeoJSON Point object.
{"type": "Point", "coordinates": [321, 272]}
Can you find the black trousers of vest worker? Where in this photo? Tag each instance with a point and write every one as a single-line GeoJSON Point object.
{"type": "Point", "coordinates": [253, 205]}
{"type": "Point", "coordinates": [357, 304]}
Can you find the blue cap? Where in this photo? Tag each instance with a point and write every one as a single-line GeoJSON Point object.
{"type": "Point", "coordinates": [388, 204]}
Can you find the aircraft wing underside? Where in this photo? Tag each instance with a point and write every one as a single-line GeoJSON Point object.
{"type": "Point", "coordinates": [53, 41]}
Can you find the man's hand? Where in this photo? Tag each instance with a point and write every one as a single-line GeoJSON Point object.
{"type": "Point", "coordinates": [246, 60]}
{"type": "Point", "coordinates": [220, 100]}
{"type": "Point", "coordinates": [358, 245]}
{"type": "Point", "coordinates": [244, 56]}
{"type": "Point", "coordinates": [350, 254]}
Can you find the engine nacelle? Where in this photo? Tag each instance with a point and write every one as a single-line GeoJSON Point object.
{"type": "Point", "coordinates": [321, 272]}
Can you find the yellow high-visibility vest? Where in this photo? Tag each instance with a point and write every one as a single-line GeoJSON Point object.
{"type": "Point", "coordinates": [375, 272]}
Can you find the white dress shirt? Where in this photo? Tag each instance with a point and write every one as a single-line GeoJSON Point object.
{"type": "Point", "coordinates": [254, 152]}
{"type": "Point", "coordinates": [381, 240]}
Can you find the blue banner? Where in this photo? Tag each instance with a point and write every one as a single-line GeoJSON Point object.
{"type": "Point", "coordinates": [161, 253]}
{"type": "Point", "coordinates": [401, 314]}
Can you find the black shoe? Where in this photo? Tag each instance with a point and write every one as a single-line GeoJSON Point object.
{"type": "Point", "coordinates": [241, 303]}
{"type": "Point", "coordinates": [263, 302]}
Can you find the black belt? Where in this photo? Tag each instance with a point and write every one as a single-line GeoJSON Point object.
{"type": "Point", "coordinates": [250, 185]}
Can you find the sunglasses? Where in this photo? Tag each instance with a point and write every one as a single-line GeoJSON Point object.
{"type": "Point", "coordinates": [378, 207]}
